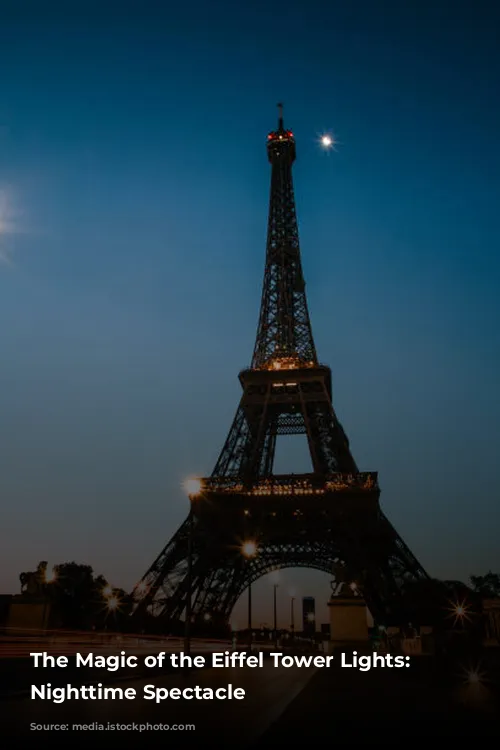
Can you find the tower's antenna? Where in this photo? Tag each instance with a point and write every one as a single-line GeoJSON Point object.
{"type": "Point", "coordinates": [280, 120]}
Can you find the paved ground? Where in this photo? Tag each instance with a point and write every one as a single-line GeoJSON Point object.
{"type": "Point", "coordinates": [415, 705]}
{"type": "Point", "coordinates": [20, 647]}
{"type": "Point", "coordinates": [268, 692]}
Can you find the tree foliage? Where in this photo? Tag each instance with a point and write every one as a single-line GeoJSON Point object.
{"type": "Point", "coordinates": [487, 585]}
{"type": "Point", "coordinates": [82, 600]}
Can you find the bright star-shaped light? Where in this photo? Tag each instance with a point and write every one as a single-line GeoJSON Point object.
{"type": "Point", "coordinates": [113, 603]}
{"type": "Point", "coordinates": [249, 549]}
{"type": "Point", "coordinates": [474, 675]}
{"type": "Point", "coordinates": [327, 141]}
{"type": "Point", "coordinates": [51, 576]}
{"type": "Point", "coordinates": [459, 611]}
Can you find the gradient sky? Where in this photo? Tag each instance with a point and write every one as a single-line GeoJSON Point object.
{"type": "Point", "coordinates": [133, 206]}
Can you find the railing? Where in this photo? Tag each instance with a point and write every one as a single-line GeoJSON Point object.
{"type": "Point", "coordinates": [300, 484]}
{"type": "Point", "coordinates": [287, 363]}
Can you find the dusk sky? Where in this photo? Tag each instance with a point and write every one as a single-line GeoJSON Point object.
{"type": "Point", "coordinates": [134, 189]}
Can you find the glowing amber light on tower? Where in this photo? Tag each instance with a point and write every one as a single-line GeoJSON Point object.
{"type": "Point", "coordinates": [192, 486]}
{"type": "Point", "coordinates": [249, 549]}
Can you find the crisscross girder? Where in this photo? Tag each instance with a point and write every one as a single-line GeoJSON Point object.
{"type": "Point", "coordinates": [284, 326]}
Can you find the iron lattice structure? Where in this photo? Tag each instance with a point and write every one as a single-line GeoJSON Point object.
{"type": "Point", "coordinates": [328, 519]}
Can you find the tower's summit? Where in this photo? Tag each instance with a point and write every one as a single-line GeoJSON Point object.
{"type": "Point", "coordinates": [280, 142]}
{"type": "Point", "coordinates": [284, 332]}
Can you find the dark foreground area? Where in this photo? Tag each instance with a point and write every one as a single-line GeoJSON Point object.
{"type": "Point", "coordinates": [432, 699]}
{"type": "Point", "coordinates": [454, 700]}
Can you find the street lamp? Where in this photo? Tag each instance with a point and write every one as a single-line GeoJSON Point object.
{"type": "Point", "coordinates": [193, 488]}
{"type": "Point", "coordinates": [275, 586]}
{"type": "Point", "coordinates": [249, 550]}
{"type": "Point", "coordinates": [234, 628]}
{"type": "Point", "coordinates": [292, 618]}
{"type": "Point", "coordinates": [311, 618]}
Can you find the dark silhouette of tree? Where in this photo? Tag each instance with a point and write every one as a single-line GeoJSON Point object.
{"type": "Point", "coordinates": [81, 600]}
{"type": "Point", "coordinates": [487, 585]}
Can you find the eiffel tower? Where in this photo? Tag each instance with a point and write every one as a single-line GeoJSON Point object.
{"type": "Point", "coordinates": [245, 521]}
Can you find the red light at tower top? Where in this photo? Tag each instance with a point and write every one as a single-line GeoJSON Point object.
{"type": "Point", "coordinates": [284, 134]}
{"type": "Point", "coordinates": [280, 142]}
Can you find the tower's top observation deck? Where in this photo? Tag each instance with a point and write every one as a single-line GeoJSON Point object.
{"type": "Point", "coordinates": [280, 142]}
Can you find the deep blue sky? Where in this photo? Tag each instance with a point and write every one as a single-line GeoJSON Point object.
{"type": "Point", "coordinates": [134, 191]}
